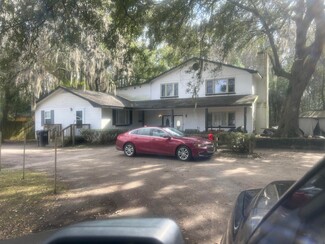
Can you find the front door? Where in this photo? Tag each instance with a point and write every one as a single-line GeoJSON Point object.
{"type": "Point", "coordinates": [178, 122]}
{"type": "Point", "coordinates": [167, 121]}
{"type": "Point", "coordinates": [79, 121]}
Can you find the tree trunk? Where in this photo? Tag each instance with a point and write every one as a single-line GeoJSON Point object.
{"type": "Point", "coordinates": [289, 121]}
{"type": "Point", "coordinates": [323, 85]}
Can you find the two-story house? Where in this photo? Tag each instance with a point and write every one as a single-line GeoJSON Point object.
{"type": "Point", "coordinates": [226, 97]}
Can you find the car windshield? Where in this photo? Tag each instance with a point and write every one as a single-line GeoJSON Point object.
{"type": "Point", "coordinates": [174, 132]}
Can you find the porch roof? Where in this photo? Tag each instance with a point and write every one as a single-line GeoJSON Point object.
{"type": "Point", "coordinates": [213, 101]}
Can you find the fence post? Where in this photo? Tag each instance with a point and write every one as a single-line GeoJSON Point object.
{"type": "Point", "coordinates": [24, 156]}
{"type": "Point", "coordinates": [73, 134]}
{"type": "Point", "coordinates": [0, 147]}
{"type": "Point", "coordinates": [55, 162]}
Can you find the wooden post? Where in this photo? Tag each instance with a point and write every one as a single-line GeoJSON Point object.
{"type": "Point", "coordinates": [24, 156]}
{"type": "Point", "coordinates": [73, 134]}
{"type": "Point", "coordinates": [55, 162]}
{"type": "Point", "coordinates": [0, 147]}
{"type": "Point", "coordinates": [245, 118]}
{"type": "Point", "coordinates": [62, 138]}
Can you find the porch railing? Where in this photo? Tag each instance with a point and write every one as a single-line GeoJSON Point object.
{"type": "Point", "coordinates": [71, 132]}
{"type": "Point", "coordinates": [53, 131]}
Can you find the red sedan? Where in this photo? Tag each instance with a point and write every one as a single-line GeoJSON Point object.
{"type": "Point", "coordinates": [163, 141]}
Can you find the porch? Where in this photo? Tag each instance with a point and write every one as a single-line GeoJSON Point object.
{"type": "Point", "coordinates": [66, 135]}
{"type": "Point", "coordinates": [203, 114]}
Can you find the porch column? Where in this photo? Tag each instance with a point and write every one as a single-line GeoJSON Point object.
{"type": "Point", "coordinates": [142, 117]}
{"type": "Point", "coordinates": [206, 119]}
{"type": "Point", "coordinates": [245, 118]}
{"type": "Point", "coordinates": [172, 119]}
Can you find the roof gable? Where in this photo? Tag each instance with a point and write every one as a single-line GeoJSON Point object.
{"type": "Point", "coordinates": [195, 59]}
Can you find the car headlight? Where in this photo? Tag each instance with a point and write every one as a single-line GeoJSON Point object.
{"type": "Point", "coordinates": [200, 145]}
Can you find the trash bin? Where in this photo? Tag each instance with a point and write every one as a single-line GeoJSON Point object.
{"type": "Point", "coordinates": [42, 138]}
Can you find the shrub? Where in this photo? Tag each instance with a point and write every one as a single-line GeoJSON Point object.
{"type": "Point", "coordinates": [241, 142]}
{"type": "Point", "coordinates": [191, 131]}
{"type": "Point", "coordinates": [222, 137]}
{"type": "Point", "coordinates": [101, 136]}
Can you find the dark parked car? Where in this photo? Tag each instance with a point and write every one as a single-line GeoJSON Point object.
{"type": "Point", "coordinates": [163, 141]}
{"type": "Point", "coordinates": [282, 212]}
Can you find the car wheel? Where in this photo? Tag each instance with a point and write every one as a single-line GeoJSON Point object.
{"type": "Point", "coordinates": [129, 149]}
{"type": "Point", "coordinates": [183, 153]}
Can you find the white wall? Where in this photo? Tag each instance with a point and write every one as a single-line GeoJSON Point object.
{"type": "Point", "coordinates": [106, 121]}
{"type": "Point", "coordinates": [182, 76]}
{"type": "Point", "coordinates": [307, 125]}
{"type": "Point", "coordinates": [65, 106]}
{"type": "Point", "coordinates": [136, 93]}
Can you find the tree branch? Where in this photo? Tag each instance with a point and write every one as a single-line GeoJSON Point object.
{"type": "Point", "coordinates": [278, 69]}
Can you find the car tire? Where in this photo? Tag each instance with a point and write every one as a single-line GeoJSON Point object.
{"type": "Point", "coordinates": [183, 153]}
{"type": "Point", "coordinates": [129, 149]}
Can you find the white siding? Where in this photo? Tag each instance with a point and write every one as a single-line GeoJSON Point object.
{"type": "Point", "coordinates": [65, 106]}
{"type": "Point", "coordinates": [307, 125]}
{"type": "Point", "coordinates": [183, 76]}
{"type": "Point", "coordinates": [106, 121]}
{"type": "Point", "coordinates": [136, 93]}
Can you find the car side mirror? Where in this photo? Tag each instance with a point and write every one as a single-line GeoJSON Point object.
{"type": "Point", "coordinates": [167, 137]}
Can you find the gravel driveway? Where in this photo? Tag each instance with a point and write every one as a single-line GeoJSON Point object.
{"type": "Point", "coordinates": [198, 195]}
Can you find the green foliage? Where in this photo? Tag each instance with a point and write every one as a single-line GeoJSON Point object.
{"type": "Point", "coordinates": [15, 130]}
{"type": "Point", "coordinates": [241, 142]}
{"type": "Point", "coordinates": [222, 137]}
{"type": "Point", "coordinates": [314, 95]}
{"type": "Point", "coordinates": [189, 132]}
{"type": "Point", "coordinates": [25, 203]}
{"type": "Point", "coordinates": [101, 136]}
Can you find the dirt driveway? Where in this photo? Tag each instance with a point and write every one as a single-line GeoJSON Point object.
{"type": "Point", "coordinates": [103, 183]}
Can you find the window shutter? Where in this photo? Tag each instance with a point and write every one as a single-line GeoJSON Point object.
{"type": "Point", "coordinates": [130, 117]}
{"type": "Point", "coordinates": [162, 87]}
{"type": "Point", "coordinates": [52, 117]}
{"type": "Point", "coordinates": [113, 116]}
{"type": "Point", "coordinates": [176, 89]}
{"type": "Point", "coordinates": [209, 86]}
{"type": "Point", "coordinates": [42, 117]}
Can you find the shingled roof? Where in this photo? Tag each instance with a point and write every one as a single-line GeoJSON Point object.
{"type": "Point", "coordinates": [313, 114]}
{"type": "Point", "coordinates": [100, 99]}
{"type": "Point", "coordinates": [96, 99]}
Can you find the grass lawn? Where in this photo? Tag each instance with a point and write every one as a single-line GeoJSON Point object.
{"type": "Point", "coordinates": [23, 202]}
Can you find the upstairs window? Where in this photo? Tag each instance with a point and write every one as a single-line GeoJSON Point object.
{"type": "Point", "coordinates": [219, 86]}
{"type": "Point", "coordinates": [169, 90]}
